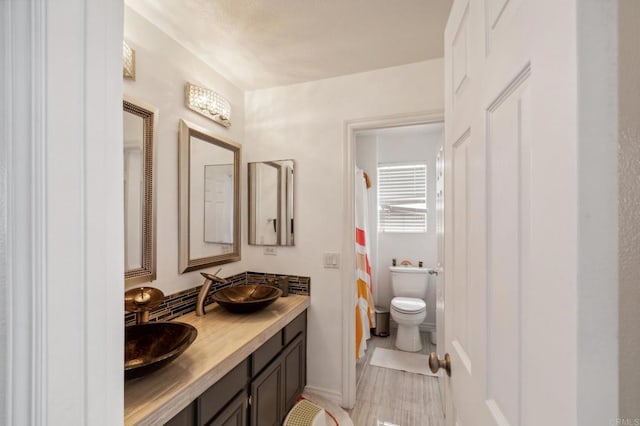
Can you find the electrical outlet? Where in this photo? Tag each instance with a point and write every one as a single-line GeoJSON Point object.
{"type": "Point", "coordinates": [331, 260]}
{"type": "Point", "coordinates": [270, 251]}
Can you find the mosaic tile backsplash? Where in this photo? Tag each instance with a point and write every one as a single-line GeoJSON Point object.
{"type": "Point", "coordinates": [178, 304]}
{"type": "Point", "coordinates": [297, 284]}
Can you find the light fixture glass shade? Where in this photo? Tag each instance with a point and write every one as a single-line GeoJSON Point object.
{"type": "Point", "coordinates": [128, 61]}
{"type": "Point", "coordinates": [208, 103]}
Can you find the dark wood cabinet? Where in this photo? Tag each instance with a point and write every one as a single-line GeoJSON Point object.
{"type": "Point", "coordinates": [267, 396]}
{"type": "Point", "coordinates": [260, 390]}
{"type": "Point", "coordinates": [235, 414]}
{"type": "Point", "coordinates": [186, 417]}
{"type": "Point", "coordinates": [295, 371]}
{"type": "Point", "coordinates": [277, 388]}
{"type": "Point", "coordinates": [214, 399]}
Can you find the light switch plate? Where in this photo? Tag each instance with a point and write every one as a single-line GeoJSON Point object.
{"type": "Point", "coordinates": [331, 260]}
{"type": "Point", "coordinates": [270, 251]}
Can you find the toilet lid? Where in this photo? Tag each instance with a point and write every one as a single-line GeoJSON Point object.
{"type": "Point", "coordinates": [408, 305]}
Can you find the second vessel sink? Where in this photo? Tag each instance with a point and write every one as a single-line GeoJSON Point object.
{"type": "Point", "coordinates": [152, 345]}
{"type": "Point", "coordinates": [246, 298]}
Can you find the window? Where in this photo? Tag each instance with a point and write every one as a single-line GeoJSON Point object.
{"type": "Point", "coordinates": [402, 198]}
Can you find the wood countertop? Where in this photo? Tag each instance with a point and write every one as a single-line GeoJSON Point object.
{"type": "Point", "coordinates": [223, 341]}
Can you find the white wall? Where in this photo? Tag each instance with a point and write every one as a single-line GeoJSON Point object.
{"type": "Point", "coordinates": [306, 122]}
{"type": "Point", "coordinates": [401, 145]}
{"type": "Point", "coordinates": [629, 208]}
{"type": "Point", "coordinates": [162, 69]}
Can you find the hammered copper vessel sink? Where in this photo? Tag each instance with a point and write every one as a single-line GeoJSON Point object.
{"type": "Point", "coordinates": [246, 298]}
{"type": "Point", "coordinates": [152, 345]}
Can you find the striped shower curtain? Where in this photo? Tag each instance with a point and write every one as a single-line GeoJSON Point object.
{"type": "Point", "coordinates": [365, 309]}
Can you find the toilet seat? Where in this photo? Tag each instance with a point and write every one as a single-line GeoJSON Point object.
{"type": "Point", "coordinates": [408, 305]}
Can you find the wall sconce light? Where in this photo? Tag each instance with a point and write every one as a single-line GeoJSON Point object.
{"type": "Point", "coordinates": [208, 103]}
{"type": "Point", "coordinates": [128, 61]}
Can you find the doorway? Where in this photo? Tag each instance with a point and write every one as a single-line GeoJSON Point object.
{"type": "Point", "coordinates": [370, 144]}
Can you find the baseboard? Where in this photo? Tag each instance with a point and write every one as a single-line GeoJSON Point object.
{"type": "Point", "coordinates": [331, 395]}
{"type": "Point", "coordinates": [427, 327]}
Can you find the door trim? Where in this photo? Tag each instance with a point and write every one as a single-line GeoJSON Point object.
{"type": "Point", "coordinates": [61, 244]}
{"type": "Point", "coordinates": [23, 332]}
{"type": "Point", "coordinates": [349, 273]}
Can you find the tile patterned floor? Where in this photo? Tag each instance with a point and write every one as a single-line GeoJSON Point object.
{"type": "Point", "coordinates": [386, 397]}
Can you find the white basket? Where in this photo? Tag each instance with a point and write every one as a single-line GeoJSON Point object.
{"type": "Point", "coordinates": [306, 413]}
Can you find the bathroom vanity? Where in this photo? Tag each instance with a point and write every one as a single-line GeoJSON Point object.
{"type": "Point", "coordinates": [241, 370]}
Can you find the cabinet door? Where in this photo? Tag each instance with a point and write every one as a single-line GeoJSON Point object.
{"type": "Point", "coordinates": [186, 417]}
{"type": "Point", "coordinates": [265, 353]}
{"type": "Point", "coordinates": [235, 414]}
{"type": "Point", "coordinates": [293, 361]}
{"type": "Point", "coordinates": [267, 396]}
{"type": "Point", "coordinates": [212, 400]}
{"type": "Point", "coordinates": [295, 327]}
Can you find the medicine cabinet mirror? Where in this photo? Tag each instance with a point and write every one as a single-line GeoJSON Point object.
{"type": "Point", "coordinates": [271, 203]}
{"type": "Point", "coordinates": [209, 180]}
{"type": "Point", "coordinates": [139, 137]}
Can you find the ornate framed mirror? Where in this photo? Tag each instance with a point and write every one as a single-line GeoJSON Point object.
{"type": "Point", "coordinates": [209, 209]}
{"type": "Point", "coordinates": [139, 135]}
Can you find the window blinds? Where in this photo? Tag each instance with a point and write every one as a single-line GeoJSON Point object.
{"type": "Point", "coordinates": [402, 198]}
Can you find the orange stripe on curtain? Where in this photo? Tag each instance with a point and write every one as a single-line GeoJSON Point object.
{"type": "Point", "coordinates": [364, 293]}
{"type": "Point", "coordinates": [361, 240]}
{"type": "Point", "coordinates": [365, 317]}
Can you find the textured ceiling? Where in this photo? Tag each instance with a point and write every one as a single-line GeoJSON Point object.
{"type": "Point", "coordinates": [258, 44]}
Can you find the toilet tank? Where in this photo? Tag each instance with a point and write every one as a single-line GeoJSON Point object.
{"type": "Point", "coordinates": [409, 281]}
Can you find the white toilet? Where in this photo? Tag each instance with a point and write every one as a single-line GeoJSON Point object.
{"type": "Point", "coordinates": [408, 308]}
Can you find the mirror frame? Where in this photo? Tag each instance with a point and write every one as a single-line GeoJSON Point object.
{"type": "Point", "coordinates": [148, 113]}
{"type": "Point", "coordinates": [186, 131]}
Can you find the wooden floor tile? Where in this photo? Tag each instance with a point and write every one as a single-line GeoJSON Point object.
{"type": "Point", "coordinates": [393, 396]}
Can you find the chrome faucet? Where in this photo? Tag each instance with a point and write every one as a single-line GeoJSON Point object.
{"type": "Point", "coordinates": [204, 291]}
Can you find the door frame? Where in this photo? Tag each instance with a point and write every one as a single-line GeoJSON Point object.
{"type": "Point", "coordinates": [349, 228]}
{"type": "Point", "coordinates": [61, 213]}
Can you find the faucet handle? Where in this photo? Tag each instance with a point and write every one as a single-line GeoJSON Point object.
{"type": "Point", "coordinates": [141, 300]}
{"type": "Point", "coordinates": [213, 277]}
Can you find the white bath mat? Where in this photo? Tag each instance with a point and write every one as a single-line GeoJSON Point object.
{"type": "Point", "coordinates": [399, 360]}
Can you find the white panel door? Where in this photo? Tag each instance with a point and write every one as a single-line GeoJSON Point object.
{"type": "Point", "coordinates": [510, 206]}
